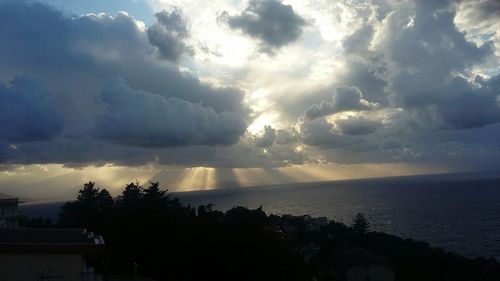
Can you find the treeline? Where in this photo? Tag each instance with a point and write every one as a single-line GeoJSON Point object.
{"type": "Point", "coordinates": [150, 233]}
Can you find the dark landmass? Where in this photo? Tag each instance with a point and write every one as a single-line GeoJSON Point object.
{"type": "Point", "coordinates": [150, 233]}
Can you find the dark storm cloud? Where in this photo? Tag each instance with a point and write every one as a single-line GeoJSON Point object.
{"type": "Point", "coordinates": [278, 147]}
{"type": "Point", "coordinates": [368, 76]}
{"type": "Point", "coordinates": [468, 107]}
{"type": "Point", "coordinates": [26, 26]}
{"type": "Point", "coordinates": [356, 125]}
{"type": "Point", "coordinates": [284, 136]}
{"type": "Point", "coordinates": [140, 118]}
{"type": "Point", "coordinates": [363, 141]}
{"type": "Point", "coordinates": [270, 21]}
{"type": "Point", "coordinates": [76, 119]}
{"type": "Point", "coordinates": [270, 136]}
{"type": "Point", "coordinates": [344, 99]}
{"type": "Point", "coordinates": [28, 112]}
{"type": "Point", "coordinates": [471, 149]}
{"type": "Point", "coordinates": [267, 138]}
{"type": "Point", "coordinates": [168, 34]}
{"type": "Point", "coordinates": [321, 133]}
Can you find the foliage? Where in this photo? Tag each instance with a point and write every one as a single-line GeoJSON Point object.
{"type": "Point", "coordinates": [170, 241]}
{"type": "Point", "coordinates": [360, 225]}
{"type": "Point", "coordinates": [131, 199]}
{"type": "Point", "coordinates": [88, 209]}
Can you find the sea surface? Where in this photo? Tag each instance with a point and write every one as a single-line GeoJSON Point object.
{"type": "Point", "coordinates": [459, 213]}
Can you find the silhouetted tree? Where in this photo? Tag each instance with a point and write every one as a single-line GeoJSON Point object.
{"type": "Point", "coordinates": [203, 210]}
{"type": "Point", "coordinates": [360, 225]}
{"type": "Point", "coordinates": [245, 217]}
{"type": "Point", "coordinates": [154, 197]}
{"type": "Point", "coordinates": [105, 201]}
{"type": "Point", "coordinates": [131, 197]}
{"type": "Point", "coordinates": [83, 211]}
{"type": "Point", "coordinates": [88, 194]}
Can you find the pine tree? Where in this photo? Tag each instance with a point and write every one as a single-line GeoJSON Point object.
{"type": "Point", "coordinates": [104, 200]}
{"type": "Point", "coordinates": [154, 197]}
{"type": "Point", "coordinates": [87, 196]}
{"type": "Point", "coordinates": [84, 211]}
{"type": "Point", "coordinates": [360, 225]}
{"type": "Point", "coordinates": [131, 197]}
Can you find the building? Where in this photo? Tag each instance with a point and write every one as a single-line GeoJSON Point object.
{"type": "Point", "coordinates": [45, 254]}
{"type": "Point", "coordinates": [314, 224]}
{"type": "Point", "coordinates": [9, 212]}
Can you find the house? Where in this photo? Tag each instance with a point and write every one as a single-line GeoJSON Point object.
{"type": "Point", "coordinates": [314, 224]}
{"type": "Point", "coordinates": [322, 221]}
{"type": "Point", "coordinates": [43, 254]}
{"type": "Point", "coordinates": [9, 212]}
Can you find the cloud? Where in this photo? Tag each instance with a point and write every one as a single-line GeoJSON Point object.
{"type": "Point", "coordinates": [168, 34]}
{"type": "Point", "coordinates": [422, 83]}
{"type": "Point", "coordinates": [423, 76]}
{"type": "Point", "coordinates": [344, 99]}
{"type": "Point", "coordinates": [28, 112]}
{"type": "Point", "coordinates": [77, 118]}
{"type": "Point", "coordinates": [144, 119]}
{"type": "Point", "coordinates": [433, 62]}
{"type": "Point", "coordinates": [463, 106]}
{"type": "Point", "coordinates": [359, 41]}
{"type": "Point", "coordinates": [284, 136]}
{"type": "Point", "coordinates": [318, 132]}
{"type": "Point", "coordinates": [86, 52]}
{"type": "Point", "coordinates": [479, 14]}
{"type": "Point", "coordinates": [267, 138]}
{"type": "Point", "coordinates": [272, 22]}
{"type": "Point", "coordinates": [358, 125]}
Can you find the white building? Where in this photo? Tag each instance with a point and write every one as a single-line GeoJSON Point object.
{"type": "Point", "coordinates": [9, 212]}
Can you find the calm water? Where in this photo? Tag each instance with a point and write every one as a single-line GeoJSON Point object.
{"type": "Point", "coordinates": [458, 213]}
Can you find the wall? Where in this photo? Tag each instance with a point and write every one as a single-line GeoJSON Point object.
{"type": "Point", "coordinates": [30, 267]}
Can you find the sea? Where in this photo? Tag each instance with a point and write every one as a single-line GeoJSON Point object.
{"type": "Point", "coordinates": [457, 212]}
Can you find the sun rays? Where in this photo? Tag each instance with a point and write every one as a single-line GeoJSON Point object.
{"type": "Point", "coordinates": [47, 182]}
{"type": "Point", "coordinates": [197, 178]}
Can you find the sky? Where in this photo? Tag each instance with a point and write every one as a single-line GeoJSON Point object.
{"type": "Point", "coordinates": [224, 93]}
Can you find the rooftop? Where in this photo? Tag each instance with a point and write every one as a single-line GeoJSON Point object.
{"type": "Point", "coordinates": [49, 240]}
